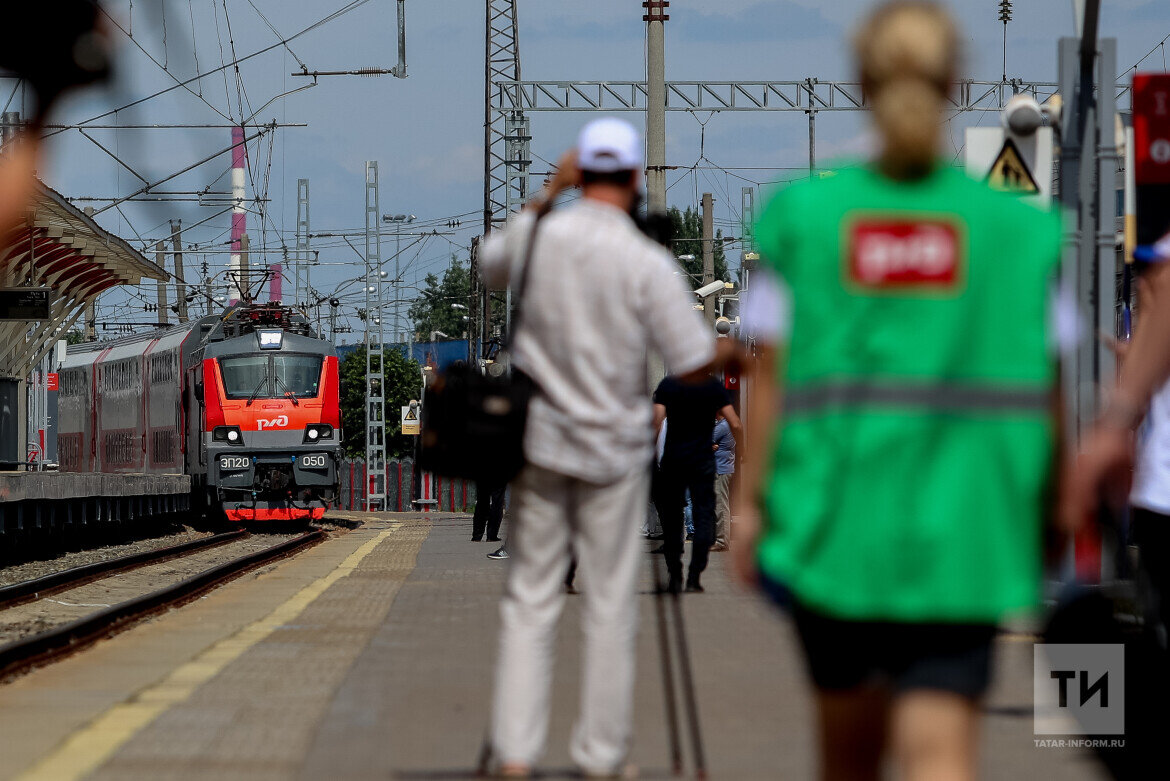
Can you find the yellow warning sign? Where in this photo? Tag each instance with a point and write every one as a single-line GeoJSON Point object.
{"type": "Point", "coordinates": [410, 421]}
{"type": "Point", "coordinates": [1010, 173]}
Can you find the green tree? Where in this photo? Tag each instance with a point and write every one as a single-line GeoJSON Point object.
{"type": "Point", "coordinates": [435, 309]}
{"type": "Point", "coordinates": [687, 228]}
{"type": "Point", "coordinates": [74, 337]}
{"type": "Point", "coordinates": [403, 383]}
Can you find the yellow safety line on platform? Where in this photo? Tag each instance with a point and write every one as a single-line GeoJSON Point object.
{"type": "Point", "coordinates": [88, 748]}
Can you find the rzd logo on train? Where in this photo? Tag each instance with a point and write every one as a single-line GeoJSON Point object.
{"type": "Point", "coordinates": [899, 253]}
{"type": "Point", "coordinates": [280, 421]}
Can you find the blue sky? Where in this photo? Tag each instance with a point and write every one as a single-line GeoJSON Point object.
{"type": "Point", "coordinates": [426, 131]}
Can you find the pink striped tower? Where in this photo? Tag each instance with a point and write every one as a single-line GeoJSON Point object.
{"type": "Point", "coordinates": [274, 271]}
{"type": "Point", "coordinates": [239, 216]}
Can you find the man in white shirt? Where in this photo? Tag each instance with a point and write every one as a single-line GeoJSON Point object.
{"type": "Point", "coordinates": [599, 297]}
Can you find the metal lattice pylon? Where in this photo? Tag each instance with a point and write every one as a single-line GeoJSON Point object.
{"type": "Point", "coordinates": [505, 135]}
{"type": "Point", "coordinates": [506, 141]}
{"type": "Point", "coordinates": [375, 350]}
{"type": "Point", "coordinates": [303, 255]}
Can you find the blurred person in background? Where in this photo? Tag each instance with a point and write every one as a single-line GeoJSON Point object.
{"type": "Point", "coordinates": [588, 442]}
{"type": "Point", "coordinates": [1103, 468]}
{"type": "Point", "coordinates": [723, 443]}
{"type": "Point", "coordinates": [688, 465]}
{"type": "Point", "coordinates": [489, 511]}
{"type": "Point", "coordinates": [76, 53]}
{"type": "Point", "coordinates": [905, 391]}
{"type": "Point", "coordinates": [1149, 498]}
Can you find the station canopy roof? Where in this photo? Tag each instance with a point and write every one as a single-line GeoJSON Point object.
{"type": "Point", "coordinates": [59, 247]}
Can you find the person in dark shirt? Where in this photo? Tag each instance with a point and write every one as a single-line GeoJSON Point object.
{"type": "Point", "coordinates": [489, 511]}
{"type": "Point", "coordinates": [688, 463]}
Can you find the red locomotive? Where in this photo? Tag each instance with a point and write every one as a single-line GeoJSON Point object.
{"type": "Point", "coordinates": [245, 402]}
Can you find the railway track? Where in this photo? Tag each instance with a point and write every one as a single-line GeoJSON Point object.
{"type": "Point", "coordinates": [56, 582]}
{"type": "Point", "coordinates": [66, 638]}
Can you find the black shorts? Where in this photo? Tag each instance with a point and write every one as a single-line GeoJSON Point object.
{"type": "Point", "coordinates": [843, 655]}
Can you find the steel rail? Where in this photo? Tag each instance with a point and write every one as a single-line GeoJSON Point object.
{"type": "Point", "coordinates": [29, 590]}
{"type": "Point", "coordinates": [30, 651]}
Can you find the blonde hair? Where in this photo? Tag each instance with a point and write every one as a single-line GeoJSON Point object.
{"type": "Point", "coordinates": [907, 56]}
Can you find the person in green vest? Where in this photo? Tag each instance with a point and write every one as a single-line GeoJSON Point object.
{"type": "Point", "coordinates": [903, 411]}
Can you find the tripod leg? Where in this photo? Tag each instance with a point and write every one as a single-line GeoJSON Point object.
{"type": "Point", "coordinates": [667, 671]}
{"type": "Point", "coordinates": [688, 686]}
{"type": "Point", "coordinates": [485, 757]}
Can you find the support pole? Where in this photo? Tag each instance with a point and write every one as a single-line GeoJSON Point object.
{"type": "Point", "coordinates": [474, 326]}
{"type": "Point", "coordinates": [1106, 227]}
{"type": "Point", "coordinates": [516, 174]}
{"type": "Point", "coordinates": [160, 258]}
{"type": "Point", "coordinates": [209, 301]}
{"type": "Point", "coordinates": [655, 17]}
{"type": "Point", "coordinates": [245, 282]}
{"type": "Point", "coordinates": [812, 142]}
{"type": "Point", "coordinates": [747, 211]}
{"type": "Point", "coordinates": [708, 253]}
{"type": "Point", "coordinates": [397, 332]}
{"type": "Point", "coordinates": [181, 286]}
{"type": "Point", "coordinates": [302, 258]}
{"type": "Point", "coordinates": [399, 71]}
{"type": "Point", "coordinates": [91, 320]}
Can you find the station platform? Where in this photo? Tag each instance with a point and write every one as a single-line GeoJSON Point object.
{"type": "Point", "coordinates": [53, 500]}
{"type": "Point", "coordinates": [370, 656]}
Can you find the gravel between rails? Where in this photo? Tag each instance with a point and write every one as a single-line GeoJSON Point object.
{"type": "Point", "coordinates": [32, 617]}
{"type": "Point", "coordinates": [18, 573]}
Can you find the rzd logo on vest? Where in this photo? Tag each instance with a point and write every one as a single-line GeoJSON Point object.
{"type": "Point", "coordinates": [902, 253]}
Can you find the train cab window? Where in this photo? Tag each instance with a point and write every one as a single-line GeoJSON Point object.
{"type": "Point", "coordinates": [246, 375]}
{"type": "Point", "coordinates": [277, 376]}
{"type": "Point", "coordinates": [298, 375]}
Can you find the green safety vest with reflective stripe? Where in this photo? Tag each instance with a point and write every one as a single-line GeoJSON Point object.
{"type": "Point", "coordinates": [910, 466]}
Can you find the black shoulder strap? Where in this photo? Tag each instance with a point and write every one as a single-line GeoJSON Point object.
{"type": "Point", "coordinates": [522, 285]}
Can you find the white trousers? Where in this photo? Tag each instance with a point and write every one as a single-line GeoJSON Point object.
{"type": "Point", "coordinates": [553, 511]}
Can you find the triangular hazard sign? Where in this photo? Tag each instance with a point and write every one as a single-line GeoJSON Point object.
{"type": "Point", "coordinates": [1010, 173]}
{"type": "Point", "coordinates": [411, 414]}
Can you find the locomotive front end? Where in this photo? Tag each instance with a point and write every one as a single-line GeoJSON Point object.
{"type": "Point", "coordinates": [272, 433]}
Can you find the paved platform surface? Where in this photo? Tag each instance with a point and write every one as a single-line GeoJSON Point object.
{"type": "Point", "coordinates": [370, 657]}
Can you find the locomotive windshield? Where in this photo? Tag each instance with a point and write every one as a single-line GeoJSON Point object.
{"type": "Point", "coordinates": [242, 375]}
{"type": "Point", "coordinates": [299, 375]}
{"type": "Point", "coordinates": [271, 376]}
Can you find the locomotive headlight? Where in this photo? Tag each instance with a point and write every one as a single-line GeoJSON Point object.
{"type": "Point", "coordinates": [229, 434]}
{"type": "Point", "coordinates": [315, 432]}
{"type": "Point", "coordinates": [270, 340]}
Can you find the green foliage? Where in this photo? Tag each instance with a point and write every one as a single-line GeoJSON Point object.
{"type": "Point", "coordinates": [403, 383]}
{"type": "Point", "coordinates": [687, 227]}
{"type": "Point", "coordinates": [434, 309]}
{"type": "Point", "coordinates": [74, 337]}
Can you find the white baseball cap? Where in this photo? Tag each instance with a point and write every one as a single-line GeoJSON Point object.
{"type": "Point", "coordinates": [609, 144]}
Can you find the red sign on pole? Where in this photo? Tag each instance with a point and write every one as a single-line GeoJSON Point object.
{"type": "Point", "coordinates": [51, 381]}
{"type": "Point", "coordinates": [1151, 128]}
